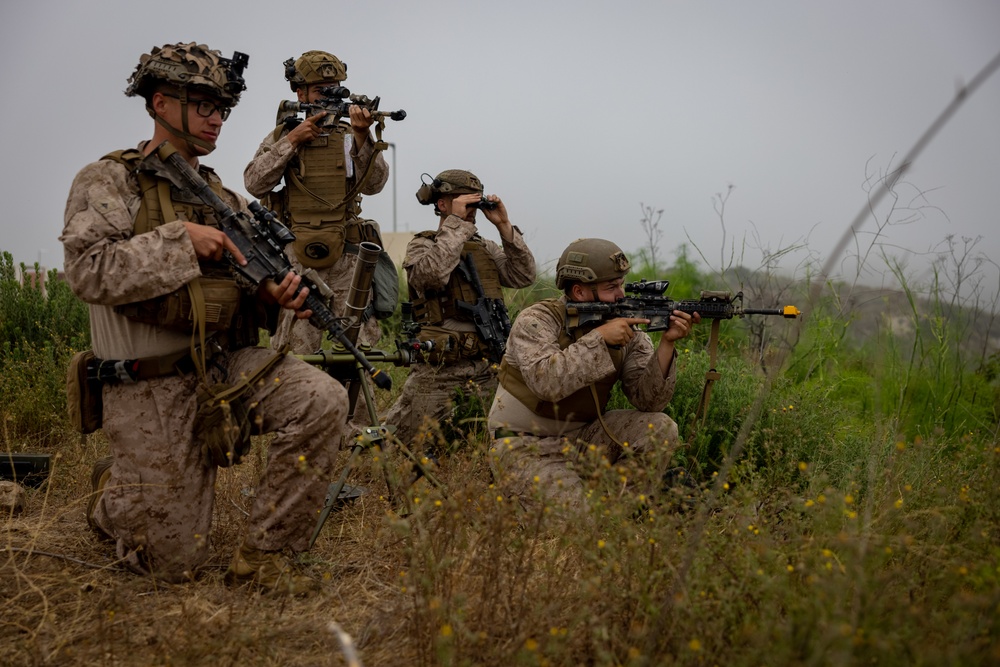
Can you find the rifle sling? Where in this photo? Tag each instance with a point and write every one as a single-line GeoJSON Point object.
{"type": "Point", "coordinates": [711, 376]}
{"type": "Point", "coordinates": [600, 416]}
{"type": "Point", "coordinates": [359, 183]}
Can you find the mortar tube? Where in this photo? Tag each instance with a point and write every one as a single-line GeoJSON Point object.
{"type": "Point", "coordinates": [359, 294]}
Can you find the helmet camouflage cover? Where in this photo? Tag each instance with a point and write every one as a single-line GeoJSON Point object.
{"type": "Point", "coordinates": [591, 261]}
{"type": "Point", "coordinates": [450, 182]}
{"type": "Point", "coordinates": [459, 182]}
{"type": "Point", "coordinates": [314, 67]}
{"type": "Point", "coordinates": [189, 64]}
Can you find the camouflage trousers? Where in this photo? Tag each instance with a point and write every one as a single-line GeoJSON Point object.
{"type": "Point", "coordinates": [302, 336]}
{"type": "Point", "coordinates": [533, 468]}
{"type": "Point", "coordinates": [429, 391]}
{"type": "Point", "coordinates": [157, 504]}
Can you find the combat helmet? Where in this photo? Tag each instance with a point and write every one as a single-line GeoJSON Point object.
{"type": "Point", "coordinates": [449, 182]}
{"type": "Point", "coordinates": [314, 67]}
{"type": "Point", "coordinates": [591, 261]}
{"type": "Point", "coordinates": [187, 66]}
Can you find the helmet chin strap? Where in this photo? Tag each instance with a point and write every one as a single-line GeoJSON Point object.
{"type": "Point", "coordinates": [184, 134]}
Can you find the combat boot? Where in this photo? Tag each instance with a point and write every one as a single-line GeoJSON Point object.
{"type": "Point", "coordinates": [99, 477]}
{"type": "Point", "coordinates": [271, 570]}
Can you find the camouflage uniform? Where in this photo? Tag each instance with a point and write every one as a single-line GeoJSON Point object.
{"type": "Point", "coordinates": [262, 175]}
{"type": "Point", "coordinates": [529, 446]}
{"type": "Point", "coordinates": [429, 264]}
{"type": "Point", "coordinates": [157, 503]}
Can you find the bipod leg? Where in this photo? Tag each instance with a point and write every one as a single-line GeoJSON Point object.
{"type": "Point", "coordinates": [372, 435]}
{"type": "Point", "coordinates": [391, 487]}
{"type": "Point", "coordinates": [419, 466]}
{"type": "Point", "coordinates": [354, 385]}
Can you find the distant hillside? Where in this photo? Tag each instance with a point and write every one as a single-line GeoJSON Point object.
{"type": "Point", "coordinates": [874, 312]}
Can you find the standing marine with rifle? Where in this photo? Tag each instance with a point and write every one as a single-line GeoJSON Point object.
{"type": "Point", "coordinates": [556, 381]}
{"type": "Point", "coordinates": [454, 277]}
{"type": "Point", "coordinates": [327, 162]}
{"type": "Point", "coordinates": [175, 378]}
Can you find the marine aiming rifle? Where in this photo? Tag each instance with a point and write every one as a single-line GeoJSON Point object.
{"type": "Point", "coordinates": [262, 240]}
{"type": "Point", "coordinates": [337, 102]}
{"type": "Point", "coordinates": [488, 314]}
{"type": "Point", "coordinates": [646, 300]}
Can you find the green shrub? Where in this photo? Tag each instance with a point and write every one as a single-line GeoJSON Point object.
{"type": "Point", "coordinates": [39, 332]}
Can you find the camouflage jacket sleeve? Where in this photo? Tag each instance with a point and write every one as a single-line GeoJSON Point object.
{"type": "Point", "coordinates": [642, 381]}
{"type": "Point", "coordinates": [268, 165]}
{"type": "Point", "coordinates": [430, 262]}
{"type": "Point", "coordinates": [380, 170]}
{"type": "Point", "coordinates": [514, 261]}
{"type": "Point", "coordinates": [265, 170]}
{"type": "Point", "coordinates": [105, 264]}
{"type": "Point", "coordinates": [552, 373]}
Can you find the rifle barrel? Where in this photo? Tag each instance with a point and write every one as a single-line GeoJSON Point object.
{"type": "Point", "coordinates": [788, 312]}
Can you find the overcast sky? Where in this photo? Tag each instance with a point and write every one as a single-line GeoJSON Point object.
{"type": "Point", "coordinates": [573, 112]}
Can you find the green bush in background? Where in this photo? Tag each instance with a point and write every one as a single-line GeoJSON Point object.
{"type": "Point", "coordinates": [40, 329]}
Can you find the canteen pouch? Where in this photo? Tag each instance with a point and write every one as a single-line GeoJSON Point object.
{"type": "Point", "coordinates": [83, 398]}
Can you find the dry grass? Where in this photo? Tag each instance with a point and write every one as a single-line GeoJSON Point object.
{"type": "Point", "coordinates": [876, 551]}
{"type": "Point", "coordinates": [900, 567]}
{"type": "Point", "coordinates": [66, 602]}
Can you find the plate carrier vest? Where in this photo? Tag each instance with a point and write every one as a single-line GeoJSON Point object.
{"type": "Point", "coordinates": [579, 406]}
{"type": "Point", "coordinates": [162, 202]}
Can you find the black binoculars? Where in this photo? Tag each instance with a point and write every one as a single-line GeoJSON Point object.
{"type": "Point", "coordinates": [484, 204]}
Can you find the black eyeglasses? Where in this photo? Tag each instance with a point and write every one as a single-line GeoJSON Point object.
{"type": "Point", "coordinates": [205, 108]}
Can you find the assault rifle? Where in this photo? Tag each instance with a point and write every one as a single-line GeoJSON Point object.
{"type": "Point", "coordinates": [645, 299]}
{"type": "Point", "coordinates": [262, 240]}
{"type": "Point", "coordinates": [489, 315]}
{"type": "Point", "coordinates": [337, 101]}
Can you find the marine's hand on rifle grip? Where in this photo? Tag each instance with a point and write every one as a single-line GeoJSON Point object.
{"type": "Point", "coordinates": [210, 243]}
{"type": "Point", "coordinates": [620, 331]}
{"type": "Point", "coordinates": [361, 119]}
{"type": "Point", "coordinates": [680, 325]}
{"type": "Point", "coordinates": [288, 294]}
{"type": "Point", "coordinates": [307, 130]}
